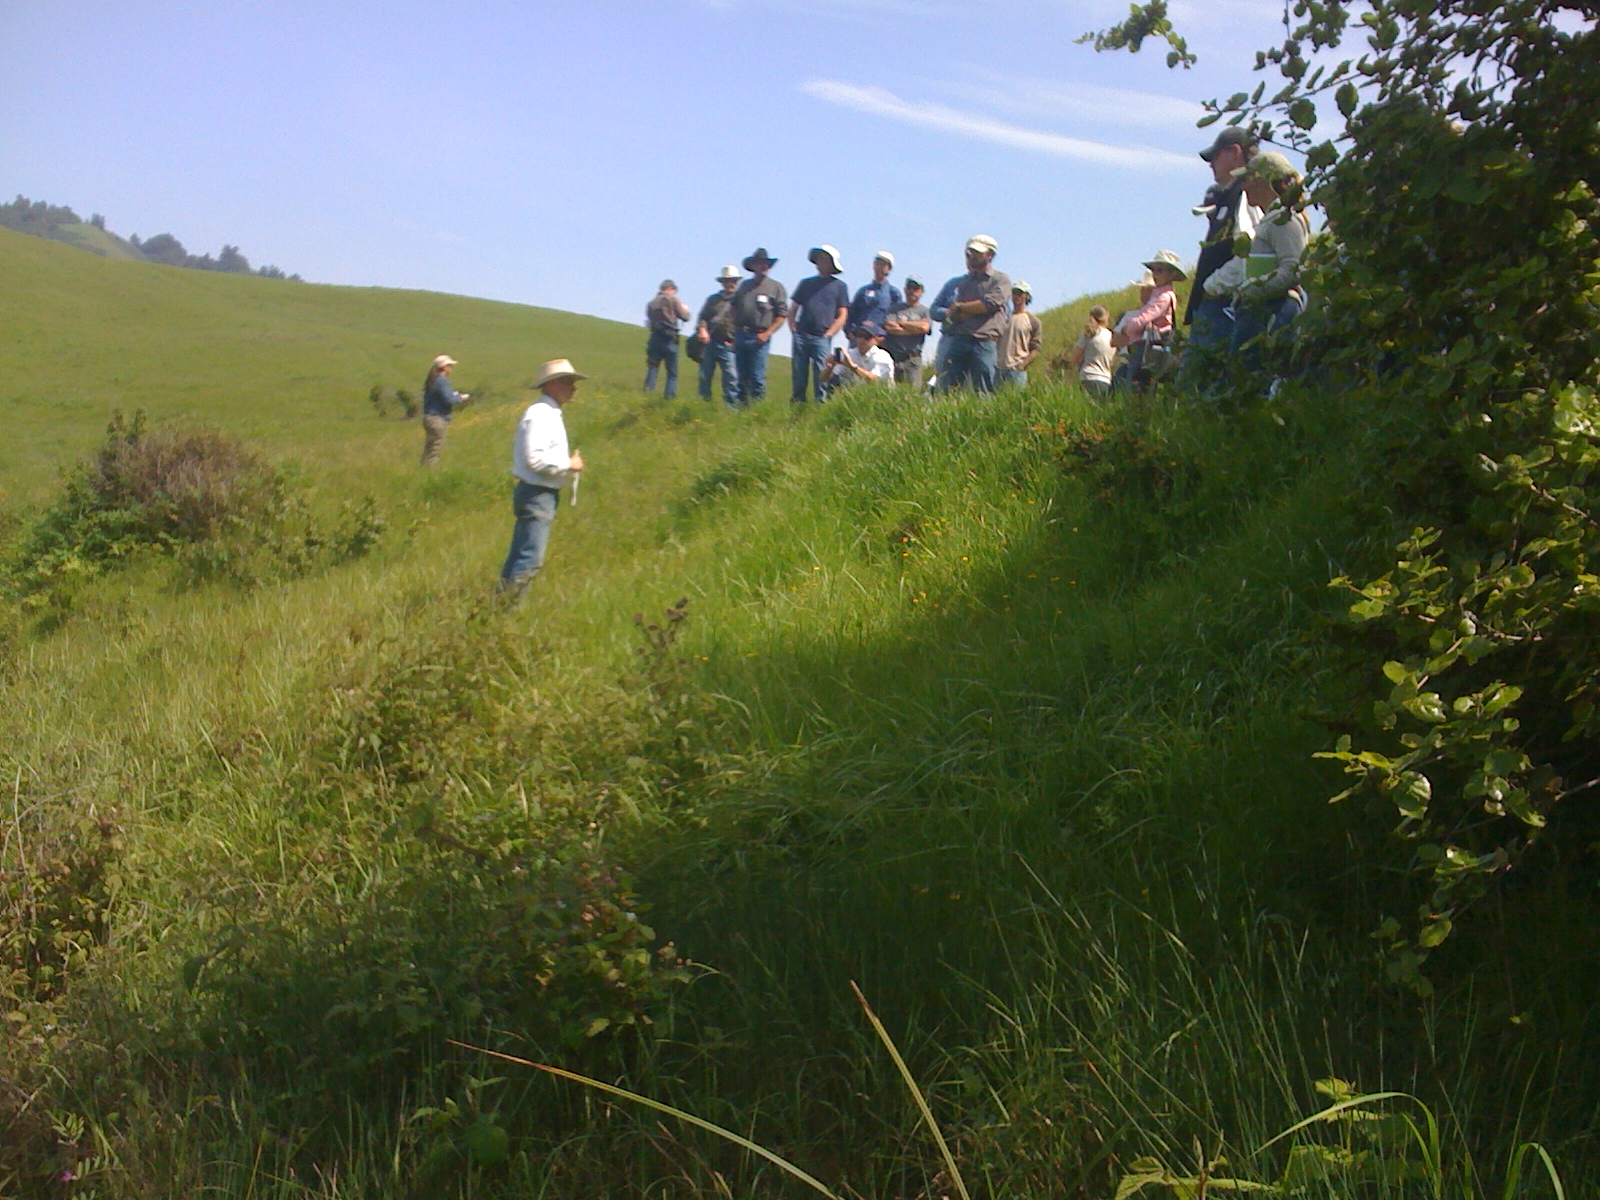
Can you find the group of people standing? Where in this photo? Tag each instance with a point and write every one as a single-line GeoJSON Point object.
{"type": "Point", "coordinates": [988, 336]}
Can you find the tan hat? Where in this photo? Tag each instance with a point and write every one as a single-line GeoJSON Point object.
{"type": "Point", "coordinates": [1145, 280]}
{"type": "Point", "coordinates": [444, 360]}
{"type": "Point", "coordinates": [983, 244]}
{"type": "Point", "coordinates": [556, 368]}
{"type": "Point", "coordinates": [830, 252]}
{"type": "Point", "coordinates": [1268, 165]}
{"type": "Point", "coordinates": [730, 272]}
{"type": "Point", "coordinates": [1168, 259]}
{"type": "Point", "coordinates": [884, 256]}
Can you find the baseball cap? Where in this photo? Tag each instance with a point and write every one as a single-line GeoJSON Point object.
{"type": "Point", "coordinates": [885, 255]}
{"type": "Point", "coordinates": [1233, 135]}
{"type": "Point", "coordinates": [982, 243]}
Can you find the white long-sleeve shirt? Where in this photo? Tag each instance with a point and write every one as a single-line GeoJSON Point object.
{"type": "Point", "coordinates": [539, 452]}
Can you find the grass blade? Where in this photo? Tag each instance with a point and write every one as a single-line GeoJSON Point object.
{"type": "Point", "coordinates": [916, 1092]}
{"type": "Point", "coordinates": [776, 1160]}
{"type": "Point", "coordinates": [1331, 1110]}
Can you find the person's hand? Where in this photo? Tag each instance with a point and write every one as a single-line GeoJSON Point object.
{"type": "Point", "coordinates": [576, 464]}
{"type": "Point", "coordinates": [893, 327]}
{"type": "Point", "coordinates": [763, 336]}
{"type": "Point", "coordinates": [703, 337]}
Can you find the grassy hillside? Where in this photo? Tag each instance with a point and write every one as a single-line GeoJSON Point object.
{"type": "Point", "coordinates": [1002, 707]}
{"type": "Point", "coordinates": [83, 236]}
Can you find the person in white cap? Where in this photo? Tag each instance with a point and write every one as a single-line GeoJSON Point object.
{"type": "Point", "coordinates": [1022, 338]}
{"type": "Point", "coordinates": [1151, 326]}
{"type": "Point", "coordinates": [816, 313]}
{"type": "Point", "coordinates": [542, 464]}
{"type": "Point", "coordinates": [974, 320]}
{"type": "Point", "coordinates": [876, 300]}
{"type": "Point", "coordinates": [439, 403]}
{"type": "Point", "coordinates": [714, 332]}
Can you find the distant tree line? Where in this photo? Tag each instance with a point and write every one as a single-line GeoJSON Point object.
{"type": "Point", "coordinates": [40, 219]}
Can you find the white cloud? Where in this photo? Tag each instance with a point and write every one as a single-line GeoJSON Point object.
{"type": "Point", "coordinates": [1046, 99]}
{"type": "Point", "coordinates": [884, 103]}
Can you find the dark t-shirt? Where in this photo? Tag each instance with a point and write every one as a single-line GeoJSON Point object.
{"type": "Point", "coordinates": [905, 347]}
{"type": "Point", "coordinates": [819, 301]}
{"type": "Point", "coordinates": [1218, 246]}
{"type": "Point", "coordinates": [758, 303]}
{"type": "Point", "coordinates": [717, 313]}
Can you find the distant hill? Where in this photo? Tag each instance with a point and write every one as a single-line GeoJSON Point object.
{"type": "Point", "coordinates": [288, 368]}
{"type": "Point", "coordinates": [39, 218]}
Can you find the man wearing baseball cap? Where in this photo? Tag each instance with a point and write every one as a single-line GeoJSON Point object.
{"type": "Point", "coordinates": [876, 300]}
{"type": "Point", "coordinates": [714, 331]}
{"type": "Point", "coordinates": [904, 333]}
{"type": "Point", "coordinates": [1229, 215]}
{"type": "Point", "coordinates": [974, 320]}
{"type": "Point", "coordinates": [1022, 339]}
{"type": "Point", "coordinates": [439, 404]}
{"type": "Point", "coordinates": [816, 313]}
{"type": "Point", "coordinates": [543, 465]}
{"type": "Point", "coordinates": [662, 316]}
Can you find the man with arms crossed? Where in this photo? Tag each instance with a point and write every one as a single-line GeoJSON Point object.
{"type": "Point", "coordinates": [905, 330]}
{"type": "Point", "coordinates": [975, 319]}
{"type": "Point", "coordinates": [759, 307]}
{"type": "Point", "coordinates": [542, 464]}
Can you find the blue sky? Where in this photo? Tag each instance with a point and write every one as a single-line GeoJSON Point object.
{"type": "Point", "coordinates": [573, 154]}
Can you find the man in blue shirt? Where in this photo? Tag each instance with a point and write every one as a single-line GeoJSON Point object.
{"type": "Point", "coordinates": [817, 311]}
{"type": "Point", "coordinates": [876, 300]}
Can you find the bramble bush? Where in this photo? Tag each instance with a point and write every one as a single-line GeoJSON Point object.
{"type": "Point", "coordinates": [1459, 299]}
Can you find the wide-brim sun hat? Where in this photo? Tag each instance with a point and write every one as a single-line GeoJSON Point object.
{"type": "Point", "coordinates": [442, 361]}
{"type": "Point", "coordinates": [1269, 165]}
{"type": "Point", "coordinates": [832, 254]}
{"type": "Point", "coordinates": [983, 243]}
{"type": "Point", "coordinates": [1168, 259]}
{"type": "Point", "coordinates": [556, 368]}
{"type": "Point", "coordinates": [729, 272]}
{"type": "Point", "coordinates": [760, 255]}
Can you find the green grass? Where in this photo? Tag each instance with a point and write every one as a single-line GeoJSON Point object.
{"type": "Point", "coordinates": [1019, 743]}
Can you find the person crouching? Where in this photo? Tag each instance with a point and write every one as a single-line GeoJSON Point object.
{"type": "Point", "coordinates": [542, 464]}
{"type": "Point", "coordinates": [865, 362]}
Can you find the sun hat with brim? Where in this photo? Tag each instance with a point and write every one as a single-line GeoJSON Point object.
{"type": "Point", "coordinates": [556, 368]}
{"type": "Point", "coordinates": [1233, 135]}
{"type": "Point", "coordinates": [1168, 259]}
{"type": "Point", "coordinates": [833, 256]}
{"type": "Point", "coordinates": [444, 360]}
{"type": "Point", "coordinates": [760, 255]}
{"type": "Point", "coordinates": [730, 272]}
{"type": "Point", "coordinates": [982, 243]}
{"type": "Point", "coordinates": [1145, 280]}
{"type": "Point", "coordinates": [1269, 166]}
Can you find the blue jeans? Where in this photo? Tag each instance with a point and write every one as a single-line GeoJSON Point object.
{"type": "Point", "coordinates": [535, 508]}
{"type": "Point", "coordinates": [716, 354]}
{"type": "Point", "coordinates": [967, 361]}
{"type": "Point", "coordinates": [1251, 321]}
{"type": "Point", "coordinates": [1210, 345]}
{"type": "Point", "coordinates": [662, 349]}
{"type": "Point", "coordinates": [750, 352]}
{"type": "Point", "coordinates": [1014, 378]}
{"type": "Point", "coordinates": [810, 352]}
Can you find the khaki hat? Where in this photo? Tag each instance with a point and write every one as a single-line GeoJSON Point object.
{"type": "Point", "coordinates": [830, 252]}
{"type": "Point", "coordinates": [556, 368]}
{"type": "Point", "coordinates": [1145, 280]}
{"type": "Point", "coordinates": [885, 256]}
{"type": "Point", "coordinates": [1168, 259]}
{"type": "Point", "coordinates": [1019, 286]}
{"type": "Point", "coordinates": [730, 272]}
{"type": "Point", "coordinates": [983, 244]}
{"type": "Point", "coordinates": [444, 360]}
{"type": "Point", "coordinates": [1269, 165]}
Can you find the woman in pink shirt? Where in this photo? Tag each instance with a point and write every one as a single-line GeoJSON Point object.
{"type": "Point", "coordinates": [1152, 324]}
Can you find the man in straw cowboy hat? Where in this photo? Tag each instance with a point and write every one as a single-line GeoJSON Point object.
{"type": "Point", "coordinates": [1151, 326]}
{"type": "Point", "coordinates": [815, 316]}
{"type": "Point", "coordinates": [714, 331]}
{"type": "Point", "coordinates": [542, 464]}
{"type": "Point", "coordinates": [759, 307]}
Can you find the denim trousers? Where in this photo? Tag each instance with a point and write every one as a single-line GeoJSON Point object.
{"type": "Point", "coordinates": [967, 362]}
{"type": "Point", "coordinates": [1210, 344]}
{"type": "Point", "coordinates": [750, 352]}
{"type": "Point", "coordinates": [1014, 378]}
{"type": "Point", "coordinates": [662, 349]}
{"type": "Point", "coordinates": [716, 354]}
{"type": "Point", "coordinates": [809, 353]}
{"type": "Point", "coordinates": [534, 508]}
{"type": "Point", "coordinates": [1251, 321]}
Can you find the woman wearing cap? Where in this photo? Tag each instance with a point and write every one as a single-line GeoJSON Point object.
{"type": "Point", "coordinates": [1269, 296]}
{"type": "Point", "coordinates": [1152, 324]}
{"type": "Point", "coordinates": [542, 464]}
{"type": "Point", "coordinates": [439, 403]}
